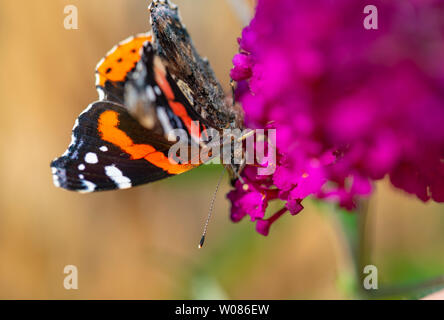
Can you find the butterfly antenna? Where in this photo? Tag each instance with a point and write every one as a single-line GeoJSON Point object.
{"type": "Point", "coordinates": [210, 212]}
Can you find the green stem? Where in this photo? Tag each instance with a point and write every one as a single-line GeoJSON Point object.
{"type": "Point", "coordinates": [362, 252]}
{"type": "Point", "coordinates": [353, 238]}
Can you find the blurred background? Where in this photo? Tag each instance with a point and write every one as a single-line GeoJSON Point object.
{"type": "Point", "coordinates": [142, 243]}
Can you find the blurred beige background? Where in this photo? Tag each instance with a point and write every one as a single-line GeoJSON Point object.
{"type": "Point", "coordinates": [141, 243]}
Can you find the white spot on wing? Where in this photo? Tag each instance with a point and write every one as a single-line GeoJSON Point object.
{"type": "Point", "coordinates": [56, 175]}
{"type": "Point", "coordinates": [91, 158]}
{"type": "Point", "coordinates": [55, 178]}
{"type": "Point", "coordinates": [117, 177]}
{"type": "Point", "coordinates": [89, 186]}
{"type": "Point", "coordinates": [150, 93]}
{"type": "Point", "coordinates": [103, 148]}
{"type": "Point", "coordinates": [101, 93]}
{"type": "Point", "coordinates": [164, 120]}
{"type": "Point", "coordinates": [81, 167]}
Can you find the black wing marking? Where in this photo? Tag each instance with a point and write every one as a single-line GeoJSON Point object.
{"type": "Point", "coordinates": [93, 164]}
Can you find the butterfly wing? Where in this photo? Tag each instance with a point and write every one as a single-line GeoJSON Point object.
{"type": "Point", "coordinates": [132, 74]}
{"type": "Point", "coordinates": [111, 150]}
{"type": "Point", "coordinates": [112, 70]}
{"type": "Point", "coordinates": [158, 101]}
{"type": "Point", "coordinates": [122, 140]}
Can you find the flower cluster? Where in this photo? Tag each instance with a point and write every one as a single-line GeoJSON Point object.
{"type": "Point", "coordinates": [350, 105]}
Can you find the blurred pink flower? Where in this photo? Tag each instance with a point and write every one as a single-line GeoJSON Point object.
{"type": "Point", "coordinates": [350, 105]}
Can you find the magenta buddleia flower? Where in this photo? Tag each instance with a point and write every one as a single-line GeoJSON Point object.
{"type": "Point", "coordinates": [349, 105]}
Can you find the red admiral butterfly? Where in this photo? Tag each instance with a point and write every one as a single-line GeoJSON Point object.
{"type": "Point", "coordinates": [148, 85]}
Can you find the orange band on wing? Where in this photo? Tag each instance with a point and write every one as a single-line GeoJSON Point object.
{"type": "Point", "coordinates": [177, 107]}
{"type": "Point", "coordinates": [121, 60]}
{"type": "Point", "coordinates": [108, 122]}
{"type": "Point", "coordinates": [163, 83]}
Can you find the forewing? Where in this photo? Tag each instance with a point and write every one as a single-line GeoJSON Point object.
{"type": "Point", "coordinates": [111, 150]}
